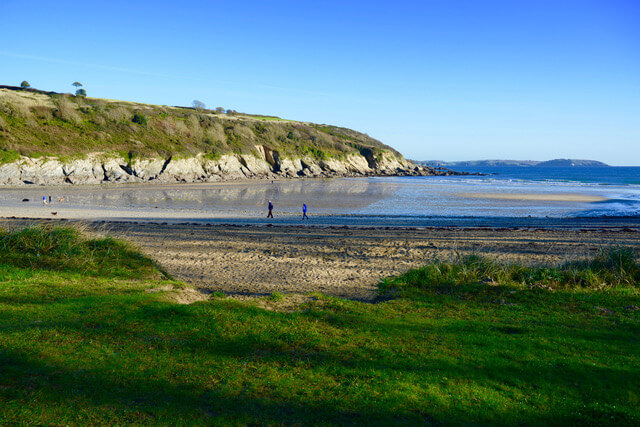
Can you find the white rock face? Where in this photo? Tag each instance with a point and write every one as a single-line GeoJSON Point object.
{"type": "Point", "coordinates": [187, 170]}
{"type": "Point", "coordinates": [85, 171]}
{"type": "Point", "coordinates": [257, 166]}
{"type": "Point", "coordinates": [226, 166]}
{"type": "Point", "coordinates": [357, 164]}
{"type": "Point", "coordinates": [42, 171]}
{"type": "Point", "coordinates": [148, 169]}
{"type": "Point", "coordinates": [265, 162]}
{"type": "Point", "coordinates": [10, 174]}
{"type": "Point", "coordinates": [113, 172]}
{"type": "Point", "coordinates": [333, 165]}
{"type": "Point", "coordinates": [391, 163]}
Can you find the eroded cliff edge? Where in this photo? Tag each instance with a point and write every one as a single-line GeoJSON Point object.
{"type": "Point", "coordinates": [100, 168]}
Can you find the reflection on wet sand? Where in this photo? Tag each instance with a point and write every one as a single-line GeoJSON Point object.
{"type": "Point", "coordinates": [322, 196]}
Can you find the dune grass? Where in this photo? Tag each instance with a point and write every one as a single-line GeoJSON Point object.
{"type": "Point", "coordinates": [91, 345]}
{"type": "Point", "coordinates": [68, 249]}
{"type": "Point", "coordinates": [612, 267]}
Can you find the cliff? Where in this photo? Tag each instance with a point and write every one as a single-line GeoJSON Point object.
{"type": "Point", "coordinates": [53, 138]}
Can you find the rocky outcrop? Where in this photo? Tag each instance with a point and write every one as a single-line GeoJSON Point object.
{"type": "Point", "coordinates": [266, 163]}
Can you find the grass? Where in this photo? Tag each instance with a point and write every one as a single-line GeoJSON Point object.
{"type": "Point", "coordinates": [612, 267]}
{"type": "Point", "coordinates": [265, 118]}
{"type": "Point", "coordinates": [62, 125]}
{"type": "Point", "coordinates": [82, 346]}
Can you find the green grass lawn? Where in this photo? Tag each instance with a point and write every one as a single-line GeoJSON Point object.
{"type": "Point", "coordinates": [84, 341]}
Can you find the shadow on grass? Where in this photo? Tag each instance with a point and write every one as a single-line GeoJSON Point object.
{"type": "Point", "coordinates": [454, 360]}
{"type": "Point", "coordinates": [154, 400]}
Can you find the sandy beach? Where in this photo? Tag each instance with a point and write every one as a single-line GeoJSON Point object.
{"type": "Point", "coordinates": [216, 237]}
{"type": "Point", "coordinates": [349, 262]}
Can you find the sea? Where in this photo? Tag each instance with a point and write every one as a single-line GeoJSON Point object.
{"type": "Point", "coordinates": [618, 189]}
{"type": "Point", "coordinates": [496, 194]}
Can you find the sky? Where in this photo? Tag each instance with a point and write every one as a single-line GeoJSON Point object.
{"type": "Point", "coordinates": [446, 80]}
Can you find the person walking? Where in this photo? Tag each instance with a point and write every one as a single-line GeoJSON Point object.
{"type": "Point", "coordinates": [304, 211]}
{"type": "Point", "coordinates": [270, 214]}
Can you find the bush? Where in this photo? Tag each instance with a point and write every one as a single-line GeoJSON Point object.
{"type": "Point", "coordinates": [139, 119]}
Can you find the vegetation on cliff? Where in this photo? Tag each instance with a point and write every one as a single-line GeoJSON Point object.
{"type": "Point", "coordinates": [36, 123]}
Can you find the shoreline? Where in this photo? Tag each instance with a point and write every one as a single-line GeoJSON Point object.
{"type": "Point", "coordinates": [539, 197]}
{"type": "Point", "coordinates": [380, 222]}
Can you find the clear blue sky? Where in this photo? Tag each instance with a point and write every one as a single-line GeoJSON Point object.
{"type": "Point", "coordinates": [450, 80]}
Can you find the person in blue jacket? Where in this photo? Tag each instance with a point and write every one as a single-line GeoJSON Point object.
{"type": "Point", "coordinates": [270, 214]}
{"type": "Point", "coordinates": [304, 211]}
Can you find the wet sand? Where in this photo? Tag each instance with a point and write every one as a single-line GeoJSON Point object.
{"type": "Point", "coordinates": [555, 197]}
{"type": "Point", "coordinates": [338, 260]}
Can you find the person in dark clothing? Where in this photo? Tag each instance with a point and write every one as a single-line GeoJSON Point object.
{"type": "Point", "coordinates": [270, 214]}
{"type": "Point", "coordinates": [304, 211]}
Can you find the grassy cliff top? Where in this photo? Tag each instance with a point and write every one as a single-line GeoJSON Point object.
{"type": "Point", "coordinates": [37, 123]}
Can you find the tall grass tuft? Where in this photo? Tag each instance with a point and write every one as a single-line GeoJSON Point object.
{"type": "Point", "coordinates": [68, 249]}
{"type": "Point", "coordinates": [612, 267]}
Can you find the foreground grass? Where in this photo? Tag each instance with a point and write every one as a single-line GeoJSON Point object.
{"type": "Point", "coordinates": [93, 346]}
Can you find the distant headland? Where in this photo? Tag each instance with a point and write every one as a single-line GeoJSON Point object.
{"type": "Point", "coordinates": [559, 163]}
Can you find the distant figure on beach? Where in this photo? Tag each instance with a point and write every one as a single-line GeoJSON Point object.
{"type": "Point", "coordinates": [304, 211]}
{"type": "Point", "coordinates": [270, 214]}
{"type": "Point", "coordinates": [49, 198]}
{"type": "Point", "coordinates": [44, 200]}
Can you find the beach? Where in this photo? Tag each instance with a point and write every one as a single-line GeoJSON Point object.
{"type": "Point", "coordinates": [343, 261]}
{"type": "Point", "coordinates": [216, 236]}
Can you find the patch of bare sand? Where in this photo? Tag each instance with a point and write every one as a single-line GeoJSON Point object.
{"type": "Point", "coordinates": [348, 263]}
{"type": "Point", "coordinates": [254, 262]}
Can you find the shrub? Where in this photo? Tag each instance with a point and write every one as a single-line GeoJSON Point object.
{"type": "Point", "coordinates": [139, 119]}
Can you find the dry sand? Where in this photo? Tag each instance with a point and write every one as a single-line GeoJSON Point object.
{"type": "Point", "coordinates": [338, 261]}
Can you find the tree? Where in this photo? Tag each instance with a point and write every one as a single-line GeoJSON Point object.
{"type": "Point", "coordinates": [81, 92]}
{"type": "Point", "coordinates": [77, 86]}
{"type": "Point", "coordinates": [25, 84]}
{"type": "Point", "coordinates": [198, 105]}
{"type": "Point", "coordinates": [220, 110]}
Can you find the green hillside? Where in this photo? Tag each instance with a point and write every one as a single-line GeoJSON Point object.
{"type": "Point", "coordinates": [35, 123]}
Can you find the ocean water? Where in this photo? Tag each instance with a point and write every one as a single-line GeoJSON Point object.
{"type": "Point", "coordinates": [619, 187]}
{"type": "Point", "coordinates": [521, 193]}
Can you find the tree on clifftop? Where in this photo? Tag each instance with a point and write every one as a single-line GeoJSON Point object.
{"type": "Point", "coordinates": [25, 84]}
{"type": "Point", "coordinates": [79, 92]}
{"type": "Point", "coordinates": [198, 105]}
